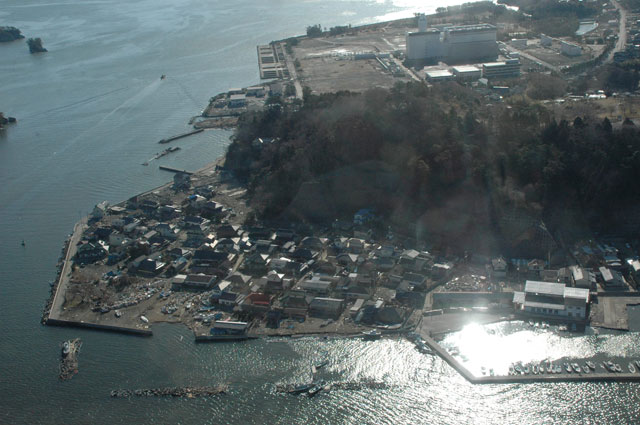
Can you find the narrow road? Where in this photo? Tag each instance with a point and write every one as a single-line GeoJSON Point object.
{"type": "Point", "coordinates": [622, 32]}
{"type": "Point", "coordinates": [292, 73]}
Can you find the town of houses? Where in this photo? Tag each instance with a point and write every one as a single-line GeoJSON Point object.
{"type": "Point", "coordinates": [187, 250]}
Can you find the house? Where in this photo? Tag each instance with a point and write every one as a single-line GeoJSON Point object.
{"type": "Point", "coordinates": [326, 307]}
{"type": "Point", "coordinates": [612, 279]}
{"type": "Point", "coordinates": [355, 245]}
{"type": "Point", "coordinates": [303, 254]}
{"type": "Point", "coordinates": [273, 282]}
{"type": "Point", "coordinates": [580, 277]}
{"type": "Point", "coordinates": [219, 288]}
{"type": "Point", "coordinates": [229, 299]}
{"type": "Point", "coordinates": [89, 252]}
{"type": "Point", "coordinates": [255, 263]}
{"type": "Point", "coordinates": [237, 100]}
{"type": "Point", "coordinates": [294, 303]}
{"type": "Point", "coordinates": [228, 231]}
{"type": "Point", "coordinates": [169, 231]}
{"type": "Point", "coordinates": [536, 267]}
{"type": "Point", "coordinates": [282, 236]}
{"type": "Point", "coordinates": [211, 258]}
{"type": "Point", "coordinates": [345, 259]}
{"type": "Point", "coordinates": [553, 300]}
{"type": "Point", "coordinates": [316, 285]}
{"type": "Point", "coordinates": [256, 302]}
{"type": "Point", "coordinates": [312, 242]}
{"type": "Point", "coordinates": [227, 245]}
{"type": "Point", "coordinates": [498, 268]}
{"type": "Point", "coordinates": [363, 216]}
{"type": "Point", "coordinates": [355, 308]}
{"type": "Point", "coordinates": [192, 282]}
{"type": "Point", "coordinates": [150, 267]}
{"type": "Point", "coordinates": [99, 211]}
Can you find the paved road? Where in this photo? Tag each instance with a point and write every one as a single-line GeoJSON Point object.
{"type": "Point", "coordinates": [292, 73]}
{"type": "Point", "coordinates": [622, 32]}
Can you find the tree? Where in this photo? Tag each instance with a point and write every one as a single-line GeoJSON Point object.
{"type": "Point", "coordinates": [314, 31]}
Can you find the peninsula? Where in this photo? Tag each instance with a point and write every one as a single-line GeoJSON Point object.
{"type": "Point", "coordinates": [371, 190]}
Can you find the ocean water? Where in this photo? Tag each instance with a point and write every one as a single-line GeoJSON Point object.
{"type": "Point", "coordinates": [90, 112]}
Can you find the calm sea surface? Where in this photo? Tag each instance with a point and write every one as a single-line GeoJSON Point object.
{"type": "Point", "coordinates": [90, 112]}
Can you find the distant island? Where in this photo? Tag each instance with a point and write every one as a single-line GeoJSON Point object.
{"type": "Point", "coordinates": [9, 34]}
{"type": "Point", "coordinates": [35, 45]}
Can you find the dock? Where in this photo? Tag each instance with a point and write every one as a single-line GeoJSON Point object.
{"type": "Point", "coordinates": [174, 170]}
{"type": "Point", "coordinates": [220, 338]}
{"type": "Point", "coordinates": [527, 379]}
{"type": "Point", "coordinates": [180, 136]}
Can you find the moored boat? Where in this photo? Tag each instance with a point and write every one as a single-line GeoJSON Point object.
{"type": "Point", "coordinates": [632, 368]}
{"type": "Point", "coordinates": [372, 334]}
{"type": "Point", "coordinates": [576, 367]}
{"type": "Point", "coordinates": [567, 367]}
{"type": "Point", "coordinates": [591, 365]}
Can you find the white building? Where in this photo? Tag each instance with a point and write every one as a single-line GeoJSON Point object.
{"type": "Point", "coordinates": [435, 75]}
{"type": "Point", "coordinates": [456, 44]}
{"type": "Point", "coordinates": [498, 70]}
{"type": "Point", "coordinates": [554, 300]}
{"type": "Point", "coordinates": [467, 72]}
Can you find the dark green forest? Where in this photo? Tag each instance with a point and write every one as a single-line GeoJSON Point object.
{"type": "Point", "coordinates": [439, 143]}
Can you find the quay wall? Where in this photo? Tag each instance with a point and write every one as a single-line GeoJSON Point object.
{"type": "Point", "coordinates": [97, 326]}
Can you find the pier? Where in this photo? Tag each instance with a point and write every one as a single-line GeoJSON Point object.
{"type": "Point", "coordinates": [180, 136]}
{"type": "Point", "coordinates": [174, 170]}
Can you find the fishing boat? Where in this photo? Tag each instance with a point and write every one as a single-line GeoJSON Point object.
{"type": "Point", "coordinates": [534, 369]}
{"type": "Point", "coordinates": [162, 77]}
{"type": "Point", "coordinates": [637, 364]}
{"type": "Point", "coordinates": [576, 367]}
{"type": "Point", "coordinates": [66, 348]}
{"type": "Point", "coordinates": [322, 364]}
{"type": "Point", "coordinates": [300, 388]}
{"type": "Point", "coordinates": [518, 369]}
{"type": "Point", "coordinates": [526, 370]}
{"type": "Point", "coordinates": [567, 367]}
{"type": "Point", "coordinates": [314, 390]}
{"type": "Point", "coordinates": [632, 368]}
{"type": "Point", "coordinates": [617, 367]}
{"type": "Point", "coordinates": [591, 365]}
{"type": "Point", "coordinates": [372, 334]}
{"type": "Point", "coordinates": [586, 369]}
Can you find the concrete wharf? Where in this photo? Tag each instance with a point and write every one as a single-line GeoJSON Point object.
{"type": "Point", "coordinates": [527, 379]}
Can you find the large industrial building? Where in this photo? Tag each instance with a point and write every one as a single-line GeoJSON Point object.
{"type": "Point", "coordinates": [453, 44]}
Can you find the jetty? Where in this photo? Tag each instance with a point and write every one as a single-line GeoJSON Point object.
{"type": "Point", "coordinates": [174, 170]}
{"type": "Point", "coordinates": [180, 136]}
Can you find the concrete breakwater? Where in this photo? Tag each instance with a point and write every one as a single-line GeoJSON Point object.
{"type": "Point", "coordinates": [100, 327]}
{"type": "Point", "coordinates": [188, 392]}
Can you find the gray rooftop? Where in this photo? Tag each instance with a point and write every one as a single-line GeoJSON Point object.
{"type": "Point", "coordinates": [544, 288]}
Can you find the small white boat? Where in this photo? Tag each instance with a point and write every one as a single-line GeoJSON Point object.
{"type": "Point", "coordinates": [632, 368]}
{"type": "Point", "coordinates": [567, 367]}
{"type": "Point", "coordinates": [576, 367]}
{"type": "Point", "coordinates": [591, 365]}
{"type": "Point", "coordinates": [144, 319]}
